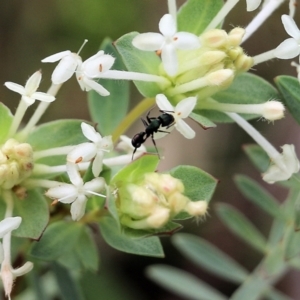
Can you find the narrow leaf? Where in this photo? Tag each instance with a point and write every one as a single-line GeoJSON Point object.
{"type": "Point", "coordinates": [108, 112]}
{"type": "Point", "coordinates": [6, 119]}
{"type": "Point", "coordinates": [258, 156]}
{"type": "Point", "coordinates": [258, 195]}
{"type": "Point", "coordinates": [182, 283]}
{"type": "Point", "coordinates": [241, 226]}
{"type": "Point", "coordinates": [209, 257]}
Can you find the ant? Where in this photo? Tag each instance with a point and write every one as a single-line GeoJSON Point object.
{"type": "Point", "coordinates": [152, 126]}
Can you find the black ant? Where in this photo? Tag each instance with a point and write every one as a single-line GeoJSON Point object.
{"type": "Point", "coordinates": [152, 126]}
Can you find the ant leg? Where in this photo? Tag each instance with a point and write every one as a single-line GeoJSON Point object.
{"type": "Point", "coordinates": [145, 122]}
{"type": "Point", "coordinates": [164, 131]}
{"type": "Point", "coordinates": [147, 116]}
{"type": "Point", "coordinates": [153, 141]}
{"type": "Point", "coordinates": [133, 153]}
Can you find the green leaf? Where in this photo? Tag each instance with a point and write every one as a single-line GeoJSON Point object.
{"type": "Point", "coordinates": [111, 233]}
{"type": "Point", "coordinates": [205, 255]}
{"type": "Point", "coordinates": [135, 171]}
{"type": "Point", "coordinates": [242, 227]}
{"type": "Point", "coordinates": [202, 121]}
{"type": "Point", "coordinates": [182, 283]}
{"type": "Point", "coordinates": [194, 15]}
{"type": "Point", "coordinates": [56, 134]}
{"type": "Point", "coordinates": [277, 295]}
{"type": "Point", "coordinates": [289, 87]}
{"type": "Point", "coordinates": [6, 119]}
{"type": "Point", "coordinates": [198, 185]}
{"type": "Point", "coordinates": [246, 89]}
{"type": "Point", "coordinates": [35, 215]}
{"type": "Point", "coordinates": [292, 247]}
{"type": "Point", "coordinates": [139, 61]}
{"type": "Point", "coordinates": [108, 112]}
{"type": "Point", "coordinates": [258, 195]}
{"type": "Point", "coordinates": [257, 156]}
{"type": "Point", "coordinates": [59, 238]}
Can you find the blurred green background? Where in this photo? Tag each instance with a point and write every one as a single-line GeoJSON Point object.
{"type": "Point", "coordinates": [32, 30]}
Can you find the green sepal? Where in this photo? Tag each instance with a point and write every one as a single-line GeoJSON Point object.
{"type": "Point", "coordinates": [182, 283]}
{"type": "Point", "coordinates": [135, 171]}
{"type": "Point", "coordinates": [111, 233]}
{"type": "Point", "coordinates": [139, 61]}
{"type": "Point", "coordinates": [6, 119]}
{"type": "Point", "coordinates": [289, 88]}
{"type": "Point", "coordinates": [202, 121]}
{"type": "Point", "coordinates": [56, 134]}
{"type": "Point", "coordinates": [241, 227]}
{"type": "Point", "coordinates": [194, 15]}
{"type": "Point", "coordinates": [107, 112]}
{"type": "Point", "coordinates": [59, 239]}
{"type": "Point", "coordinates": [211, 258]}
{"type": "Point", "coordinates": [35, 215]}
{"type": "Point", "coordinates": [246, 89]}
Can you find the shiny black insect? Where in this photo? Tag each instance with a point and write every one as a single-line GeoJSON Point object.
{"type": "Point", "coordinates": [152, 125]}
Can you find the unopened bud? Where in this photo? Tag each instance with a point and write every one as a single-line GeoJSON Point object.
{"type": "Point", "coordinates": [243, 63]}
{"type": "Point", "coordinates": [159, 217]}
{"type": "Point", "coordinates": [273, 110]}
{"type": "Point", "coordinates": [235, 36]}
{"type": "Point", "coordinates": [177, 202]}
{"type": "Point", "coordinates": [212, 57]}
{"type": "Point", "coordinates": [214, 38]}
{"type": "Point", "coordinates": [198, 208]}
{"type": "Point", "coordinates": [220, 77]}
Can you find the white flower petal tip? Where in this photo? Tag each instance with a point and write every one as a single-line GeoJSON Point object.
{"type": "Point", "coordinates": [290, 47]}
{"type": "Point", "coordinates": [252, 4]}
{"type": "Point", "coordinates": [9, 224]}
{"type": "Point", "coordinates": [181, 111]}
{"type": "Point", "coordinates": [167, 43]}
{"type": "Point", "coordinates": [273, 110]}
{"type": "Point", "coordinates": [289, 164]}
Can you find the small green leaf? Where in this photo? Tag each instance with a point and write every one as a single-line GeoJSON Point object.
{"type": "Point", "coordinates": [245, 89]}
{"type": "Point", "coordinates": [242, 227]}
{"type": "Point", "coordinates": [258, 195]}
{"type": "Point", "coordinates": [289, 87]}
{"type": "Point", "coordinates": [35, 215]}
{"type": "Point", "coordinates": [292, 247]}
{"type": "Point", "coordinates": [139, 61]}
{"type": "Point", "coordinates": [209, 257]}
{"type": "Point", "coordinates": [108, 112]}
{"type": "Point", "coordinates": [194, 15]}
{"type": "Point", "coordinates": [198, 185]}
{"type": "Point", "coordinates": [59, 238]}
{"type": "Point", "coordinates": [258, 157]}
{"type": "Point", "coordinates": [111, 233]}
{"type": "Point", "coordinates": [6, 119]}
{"type": "Point", "coordinates": [182, 283]}
{"type": "Point", "coordinates": [135, 171]}
{"type": "Point", "coordinates": [202, 121]}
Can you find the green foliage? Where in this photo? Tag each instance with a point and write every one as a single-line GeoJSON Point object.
{"type": "Point", "coordinates": [290, 90]}
{"type": "Point", "coordinates": [6, 119]}
{"type": "Point", "coordinates": [257, 156]}
{"type": "Point", "coordinates": [194, 16]}
{"type": "Point", "coordinates": [108, 112]}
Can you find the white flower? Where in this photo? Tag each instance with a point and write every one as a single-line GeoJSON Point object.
{"type": "Point", "coordinates": [66, 67]}
{"type": "Point", "coordinates": [92, 68]}
{"type": "Point", "coordinates": [88, 151]}
{"type": "Point", "coordinates": [167, 43]}
{"type": "Point", "coordinates": [252, 4]}
{"type": "Point", "coordinates": [290, 47]}
{"type": "Point", "coordinates": [77, 192]}
{"type": "Point", "coordinates": [181, 111]}
{"type": "Point", "coordinates": [284, 166]}
{"type": "Point", "coordinates": [29, 92]}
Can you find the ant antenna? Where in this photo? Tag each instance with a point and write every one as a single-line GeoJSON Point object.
{"type": "Point", "coordinates": [84, 42]}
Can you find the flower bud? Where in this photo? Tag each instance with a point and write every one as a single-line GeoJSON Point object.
{"type": "Point", "coordinates": [273, 110]}
{"type": "Point", "coordinates": [214, 38]}
{"type": "Point", "coordinates": [198, 208]}
{"type": "Point", "coordinates": [177, 202]}
{"type": "Point", "coordinates": [212, 57]}
{"type": "Point", "coordinates": [235, 36]}
{"type": "Point", "coordinates": [243, 63]}
{"type": "Point", "coordinates": [220, 78]}
{"type": "Point", "coordinates": [159, 217]}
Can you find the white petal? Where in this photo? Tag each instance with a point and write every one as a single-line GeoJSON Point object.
{"type": "Point", "coordinates": [291, 27]}
{"type": "Point", "coordinates": [28, 100]}
{"type": "Point", "coordinates": [90, 133]}
{"type": "Point", "coordinates": [78, 208]}
{"type": "Point", "coordinates": [65, 68]}
{"type": "Point", "coordinates": [159, 135]}
{"type": "Point", "coordinates": [43, 97]}
{"type": "Point", "coordinates": [148, 41]}
{"type": "Point", "coordinates": [9, 224]}
{"type": "Point", "coordinates": [167, 25]}
{"type": "Point", "coordinates": [92, 85]}
{"type": "Point", "coordinates": [185, 129]}
{"type": "Point", "coordinates": [15, 87]}
{"type": "Point", "coordinates": [95, 185]}
{"type": "Point", "coordinates": [163, 103]}
{"type": "Point", "coordinates": [290, 157]}
{"type": "Point", "coordinates": [106, 143]}
{"type": "Point", "coordinates": [252, 4]}
{"type": "Point", "coordinates": [274, 174]}
{"type": "Point", "coordinates": [97, 164]}
{"type": "Point", "coordinates": [82, 153]}
{"type": "Point", "coordinates": [185, 107]}
{"type": "Point", "coordinates": [169, 59]}
{"type": "Point", "coordinates": [186, 41]}
{"type": "Point", "coordinates": [27, 267]}
{"type": "Point", "coordinates": [56, 57]}
{"type": "Point", "coordinates": [289, 48]}
{"type": "Point", "coordinates": [66, 193]}
{"type": "Point", "coordinates": [33, 83]}
{"type": "Point", "coordinates": [74, 175]}
{"type": "Point", "coordinates": [96, 67]}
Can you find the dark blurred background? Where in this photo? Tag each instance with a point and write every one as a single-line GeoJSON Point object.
{"type": "Point", "coordinates": [32, 30]}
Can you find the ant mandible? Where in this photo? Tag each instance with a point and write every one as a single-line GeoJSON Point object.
{"type": "Point", "coordinates": [152, 126]}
